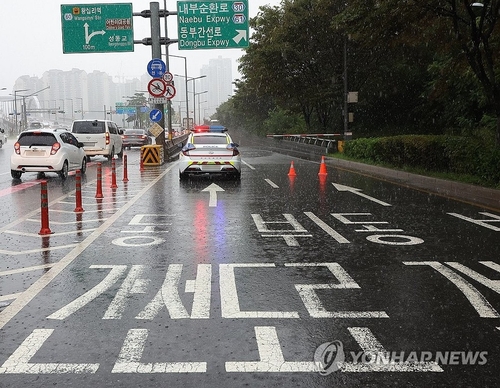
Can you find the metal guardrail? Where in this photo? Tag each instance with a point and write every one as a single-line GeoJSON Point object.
{"type": "Point", "coordinates": [326, 140]}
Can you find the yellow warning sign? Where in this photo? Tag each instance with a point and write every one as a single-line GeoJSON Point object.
{"type": "Point", "coordinates": [156, 130]}
{"type": "Point", "coordinates": [152, 155]}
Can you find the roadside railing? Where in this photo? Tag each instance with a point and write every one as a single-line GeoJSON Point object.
{"type": "Point", "coordinates": [329, 141]}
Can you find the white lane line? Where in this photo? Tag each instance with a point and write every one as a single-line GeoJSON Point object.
{"type": "Point", "coordinates": [31, 214]}
{"type": "Point", "coordinates": [26, 269]}
{"type": "Point", "coordinates": [15, 307]}
{"type": "Point", "coordinates": [51, 235]}
{"type": "Point", "coordinates": [38, 250]}
{"type": "Point", "coordinates": [4, 298]}
{"type": "Point", "coordinates": [70, 222]}
{"type": "Point", "coordinates": [272, 184]}
{"type": "Point", "coordinates": [248, 165]}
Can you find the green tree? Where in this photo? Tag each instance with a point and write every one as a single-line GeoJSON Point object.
{"type": "Point", "coordinates": [453, 29]}
{"type": "Point", "coordinates": [140, 119]}
{"type": "Point", "coordinates": [295, 58]}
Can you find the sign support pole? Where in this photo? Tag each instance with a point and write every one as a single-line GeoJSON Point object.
{"type": "Point", "coordinates": [156, 53]}
{"type": "Point", "coordinates": [169, 102]}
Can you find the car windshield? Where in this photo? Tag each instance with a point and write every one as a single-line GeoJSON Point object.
{"type": "Point", "coordinates": [36, 139]}
{"type": "Point", "coordinates": [88, 127]}
{"type": "Point", "coordinates": [210, 139]}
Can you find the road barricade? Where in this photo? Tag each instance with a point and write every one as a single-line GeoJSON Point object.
{"type": "Point", "coordinates": [152, 155]}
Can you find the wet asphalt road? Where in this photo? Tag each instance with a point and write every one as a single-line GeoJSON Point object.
{"type": "Point", "coordinates": [306, 281]}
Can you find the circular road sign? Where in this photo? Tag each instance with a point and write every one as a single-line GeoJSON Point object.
{"type": "Point", "coordinates": [170, 91]}
{"type": "Point", "coordinates": [157, 87]}
{"type": "Point", "coordinates": [155, 115]}
{"type": "Point", "coordinates": [156, 68]}
{"type": "Point", "coordinates": [168, 77]}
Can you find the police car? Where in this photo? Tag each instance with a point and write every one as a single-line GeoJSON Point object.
{"type": "Point", "coordinates": [210, 150]}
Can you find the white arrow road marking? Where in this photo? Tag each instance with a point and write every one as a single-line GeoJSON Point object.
{"type": "Point", "coordinates": [87, 36]}
{"type": "Point", "coordinates": [242, 34]}
{"type": "Point", "coordinates": [357, 192]}
{"type": "Point", "coordinates": [212, 189]}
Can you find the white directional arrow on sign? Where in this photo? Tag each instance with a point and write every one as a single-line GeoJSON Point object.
{"type": "Point", "coordinates": [87, 36]}
{"type": "Point", "coordinates": [242, 34]}
{"type": "Point", "coordinates": [357, 192]}
{"type": "Point", "coordinates": [212, 189]}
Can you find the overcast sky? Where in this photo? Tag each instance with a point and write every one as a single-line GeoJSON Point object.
{"type": "Point", "coordinates": [31, 43]}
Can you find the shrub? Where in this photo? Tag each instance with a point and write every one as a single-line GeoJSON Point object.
{"type": "Point", "coordinates": [448, 154]}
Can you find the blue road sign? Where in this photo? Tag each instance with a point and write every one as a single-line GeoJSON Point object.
{"type": "Point", "coordinates": [155, 115]}
{"type": "Point", "coordinates": [156, 68]}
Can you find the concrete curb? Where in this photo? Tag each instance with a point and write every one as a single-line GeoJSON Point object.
{"type": "Point", "coordinates": [476, 195]}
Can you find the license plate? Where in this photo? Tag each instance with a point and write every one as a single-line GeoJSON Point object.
{"type": "Point", "coordinates": [35, 153]}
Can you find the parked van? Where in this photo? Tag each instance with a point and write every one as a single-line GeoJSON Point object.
{"type": "Point", "coordinates": [99, 137]}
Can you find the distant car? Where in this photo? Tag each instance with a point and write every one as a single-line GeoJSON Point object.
{"type": "Point", "coordinates": [99, 137]}
{"type": "Point", "coordinates": [35, 125]}
{"type": "Point", "coordinates": [209, 150]}
{"type": "Point", "coordinates": [133, 137]}
{"type": "Point", "coordinates": [47, 150]}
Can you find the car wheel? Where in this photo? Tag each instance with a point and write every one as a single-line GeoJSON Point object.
{"type": "Point", "coordinates": [120, 154]}
{"type": "Point", "coordinates": [237, 176]}
{"type": "Point", "coordinates": [111, 155]}
{"type": "Point", "coordinates": [183, 176]}
{"type": "Point", "coordinates": [83, 169]}
{"type": "Point", "coordinates": [16, 174]}
{"type": "Point", "coordinates": [64, 172]}
{"type": "Point", "coordinates": [87, 158]}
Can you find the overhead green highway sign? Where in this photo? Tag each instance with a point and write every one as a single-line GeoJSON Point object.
{"type": "Point", "coordinates": [97, 28]}
{"type": "Point", "coordinates": [212, 25]}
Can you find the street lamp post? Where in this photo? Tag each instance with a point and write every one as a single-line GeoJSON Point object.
{"type": "Point", "coordinates": [80, 98]}
{"type": "Point", "coordinates": [201, 118]}
{"type": "Point", "coordinates": [194, 94]}
{"type": "Point", "coordinates": [198, 94]}
{"type": "Point", "coordinates": [15, 107]}
{"type": "Point", "coordinates": [186, 85]}
{"type": "Point", "coordinates": [72, 111]}
{"type": "Point", "coordinates": [63, 110]}
{"type": "Point", "coordinates": [24, 116]}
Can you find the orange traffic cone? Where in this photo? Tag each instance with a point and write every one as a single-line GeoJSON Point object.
{"type": "Point", "coordinates": [322, 167]}
{"type": "Point", "coordinates": [292, 170]}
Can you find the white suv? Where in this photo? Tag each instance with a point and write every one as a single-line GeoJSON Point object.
{"type": "Point", "coordinates": [99, 137]}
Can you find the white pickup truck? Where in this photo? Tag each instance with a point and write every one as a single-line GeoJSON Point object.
{"type": "Point", "coordinates": [3, 137]}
